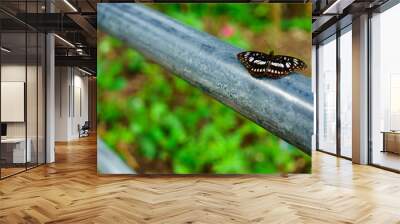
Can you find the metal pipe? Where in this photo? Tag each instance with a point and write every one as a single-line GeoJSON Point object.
{"type": "Point", "coordinates": [109, 162]}
{"type": "Point", "coordinates": [284, 106]}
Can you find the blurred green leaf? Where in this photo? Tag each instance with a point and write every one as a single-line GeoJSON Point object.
{"type": "Point", "coordinates": [297, 23]}
{"type": "Point", "coordinates": [147, 147]}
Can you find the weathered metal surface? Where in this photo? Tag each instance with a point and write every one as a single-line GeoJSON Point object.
{"type": "Point", "coordinates": [108, 162]}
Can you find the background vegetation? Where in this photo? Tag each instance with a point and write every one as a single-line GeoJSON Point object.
{"type": "Point", "coordinates": [159, 123]}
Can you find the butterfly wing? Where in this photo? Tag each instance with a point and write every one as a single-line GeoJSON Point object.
{"type": "Point", "coordinates": [271, 66]}
{"type": "Point", "coordinates": [289, 64]}
{"type": "Point", "coordinates": [255, 62]}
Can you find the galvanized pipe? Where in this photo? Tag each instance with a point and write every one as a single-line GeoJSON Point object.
{"type": "Point", "coordinates": [283, 107]}
{"type": "Point", "coordinates": [108, 162]}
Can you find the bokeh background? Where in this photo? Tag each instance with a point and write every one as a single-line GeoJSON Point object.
{"type": "Point", "coordinates": [158, 123]}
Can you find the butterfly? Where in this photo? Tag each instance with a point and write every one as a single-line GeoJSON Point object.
{"type": "Point", "coordinates": [269, 65]}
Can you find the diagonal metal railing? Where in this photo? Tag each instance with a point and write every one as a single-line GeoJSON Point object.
{"type": "Point", "coordinates": [284, 106]}
{"type": "Point", "coordinates": [108, 162]}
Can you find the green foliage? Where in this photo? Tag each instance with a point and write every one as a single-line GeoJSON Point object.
{"type": "Point", "coordinates": [256, 17]}
{"type": "Point", "coordinates": [237, 40]}
{"type": "Point", "coordinates": [170, 126]}
{"type": "Point", "coordinates": [299, 23]}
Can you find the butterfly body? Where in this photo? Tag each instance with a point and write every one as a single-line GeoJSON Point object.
{"type": "Point", "coordinates": [269, 65]}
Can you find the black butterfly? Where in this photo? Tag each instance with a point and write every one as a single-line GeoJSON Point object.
{"type": "Point", "coordinates": [269, 65]}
